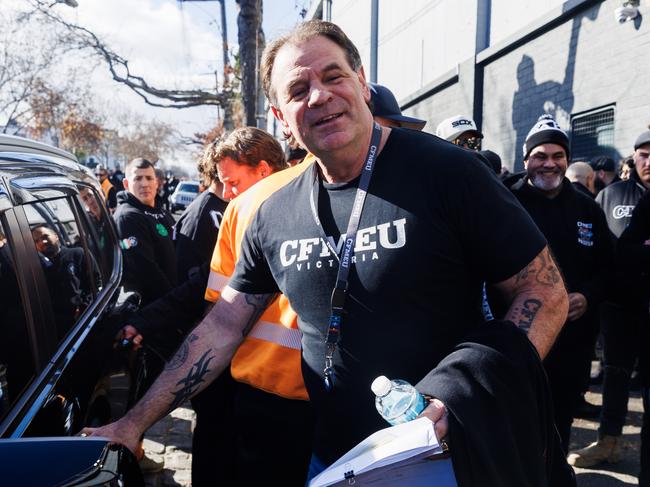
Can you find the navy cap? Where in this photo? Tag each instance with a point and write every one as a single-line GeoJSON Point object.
{"type": "Point", "coordinates": [385, 105]}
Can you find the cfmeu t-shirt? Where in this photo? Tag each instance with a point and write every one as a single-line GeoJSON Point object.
{"type": "Point", "coordinates": [436, 224]}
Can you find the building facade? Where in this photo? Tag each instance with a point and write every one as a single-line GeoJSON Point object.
{"type": "Point", "coordinates": [506, 62]}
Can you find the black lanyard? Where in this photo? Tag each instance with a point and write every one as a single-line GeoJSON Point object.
{"type": "Point", "coordinates": [339, 294]}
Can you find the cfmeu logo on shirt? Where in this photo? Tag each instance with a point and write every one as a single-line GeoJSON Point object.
{"type": "Point", "coordinates": [316, 253]}
{"type": "Point", "coordinates": [585, 234]}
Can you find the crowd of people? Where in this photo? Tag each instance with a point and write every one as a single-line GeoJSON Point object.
{"type": "Point", "coordinates": [371, 248]}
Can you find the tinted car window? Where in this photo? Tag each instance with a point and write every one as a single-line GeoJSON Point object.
{"type": "Point", "coordinates": [16, 360]}
{"type": "Point", "coordinates": [71, 274]}
{"type": "Point", "coordinates": [189, 188]}
{"type": "Point", "coordinates": [98, 227]}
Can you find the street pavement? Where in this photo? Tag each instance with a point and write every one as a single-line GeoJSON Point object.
{"type": "Point", "coordinates": [624, 473]}
{"type": "Point", "coordinates": [171, 440]}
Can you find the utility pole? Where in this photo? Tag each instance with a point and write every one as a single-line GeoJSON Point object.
{"type": "Point", "coordinates": [227, 105]}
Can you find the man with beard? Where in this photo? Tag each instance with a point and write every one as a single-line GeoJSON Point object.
{"type": "Point", "coordinates": [577, 233]}
{"type": "Point", "coordinates": [604, 172]}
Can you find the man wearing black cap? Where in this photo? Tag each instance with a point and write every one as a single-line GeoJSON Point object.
{"type": "Point", "coordinates": [386, 111]}
{"type": "Point", "coordinates": [604, 171]}
{"type": "Point", "coordinates": [622, 317]}
{"type": "Point", "coordinates": [577, 234]}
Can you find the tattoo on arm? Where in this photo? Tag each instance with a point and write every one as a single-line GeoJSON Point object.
{"type": "Point", "coordinates": [542, 269]}
{"type": "Point", "coordinates": [526, 314]}
{"type": "Point", "coordinates": [181, 355]}
{"type": "Point", "coordinates": [192, 381]}
{"type": "Point", "coordinates": [258, 303]}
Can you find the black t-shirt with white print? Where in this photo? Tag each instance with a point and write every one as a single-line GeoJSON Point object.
{"type": "Point", "coordinates": [436, 224]}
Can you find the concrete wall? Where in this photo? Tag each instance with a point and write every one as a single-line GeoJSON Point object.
{"type": "Point", "coordinates": [420, 43]}
{"type": "Point", "coordinates": [551, 56]}
{"type": "Point", "coordinates": [585, 63]}
{"type": "Point", "coordinates": [450, 101]}
{"type": "Point", "coordinates": [510, 16]}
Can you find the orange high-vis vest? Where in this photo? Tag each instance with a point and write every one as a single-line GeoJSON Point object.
{"type": "Point", "coordinates": [106, 187]}
{"type": "Point", "coordinates": [269, 358]}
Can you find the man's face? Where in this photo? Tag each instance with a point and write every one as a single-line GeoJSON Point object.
{"type": "Point", "coordinates": [91, 203]}
{"type": "Point", "coordinates": [320, 99]}
{"type": "Point", "coordinates": [237, 178]}
{"type": "Point", "coordinates": [469, 140]}
{"type": "Point", "coordinates": [101, 175]}
{"type": "Point", "coordinates": [546, 166]}
{"type": "Point", "coordinates": [642, 164]}
{"type": "Point", "coordinates": [142, 184]}
{"type": "Point", "coordinates": [46, 241]}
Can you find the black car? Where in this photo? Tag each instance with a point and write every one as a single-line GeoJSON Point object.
{"type": "Point", "coordinates": [61, 306]}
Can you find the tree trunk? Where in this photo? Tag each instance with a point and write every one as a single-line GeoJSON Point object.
{"type": "Point", "coordinates": [261, 98]}
{"type": "Point", "coordinates": [249, 22]}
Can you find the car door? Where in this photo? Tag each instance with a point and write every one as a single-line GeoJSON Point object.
{"type": "Point", "coordinates": [59, 280]}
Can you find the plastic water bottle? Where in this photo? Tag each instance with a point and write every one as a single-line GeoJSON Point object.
{"type": "Point", "coordinates": [397, 401]}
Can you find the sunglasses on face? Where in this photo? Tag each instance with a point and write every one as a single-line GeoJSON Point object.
{"type": "Point", "coordinates": [472, 143]}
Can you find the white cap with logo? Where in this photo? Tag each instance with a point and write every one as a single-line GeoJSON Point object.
{"type": "Point", "coordinates": [452, 127]}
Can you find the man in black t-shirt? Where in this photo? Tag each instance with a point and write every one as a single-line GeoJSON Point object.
{"type": "Point", "coordinates": [414, 292]}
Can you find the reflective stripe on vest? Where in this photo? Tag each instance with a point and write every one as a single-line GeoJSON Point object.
{"type": "Point", "coordinates": [275, 333]}
{"type": "Point", "coordinates": [216, 281]}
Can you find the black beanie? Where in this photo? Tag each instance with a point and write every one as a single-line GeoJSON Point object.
{"type": "Point", "coordinates": [545, 131]}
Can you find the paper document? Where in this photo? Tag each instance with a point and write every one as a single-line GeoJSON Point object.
{"type": "Point", "coordinates": [401, 452]}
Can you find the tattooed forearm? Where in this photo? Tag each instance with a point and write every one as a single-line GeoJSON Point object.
{"type": "Point", "coordinates": [181, 355]}
{"type": "Point", "coordinates": [258, 303]}
{"type": "Point", "coordinates": [525, 314]}
{"type": "Point", "coordinates": [192, 381]}
{"type": "Point", "coordinates": [542, 269]}
{"type": "Point", "coordinates": [538, 300]}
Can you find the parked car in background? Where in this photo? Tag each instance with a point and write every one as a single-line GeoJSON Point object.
{"type": "Point", "coordinates": [60, 308]}
{"type": "Point", "coordinates": [183, 195]}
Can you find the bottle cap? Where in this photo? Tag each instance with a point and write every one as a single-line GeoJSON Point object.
{"type": "Point", "coordinates": [381, 385]}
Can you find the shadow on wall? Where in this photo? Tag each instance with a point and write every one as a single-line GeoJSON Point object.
{"type": "Point", "coordinates": [533, 99]}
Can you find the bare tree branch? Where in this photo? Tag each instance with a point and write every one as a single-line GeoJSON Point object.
{"type": "Point", "coordinates": [119, 69]}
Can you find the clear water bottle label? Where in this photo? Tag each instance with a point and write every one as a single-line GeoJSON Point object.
{"type": "Point", "coordinates": [412, 412]}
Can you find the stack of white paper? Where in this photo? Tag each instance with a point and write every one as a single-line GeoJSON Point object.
{"type": "Point", "coordinates": [399, 455]}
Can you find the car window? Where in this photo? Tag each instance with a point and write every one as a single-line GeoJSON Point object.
{"type": "Point", "coordinates": [101, 243]}
{"type": "Point", "coordinates": [189, 188]}
{"type": "Point", "coordinates": [16, 359]}
{"type": "Point", "coordinates": [72, 274]}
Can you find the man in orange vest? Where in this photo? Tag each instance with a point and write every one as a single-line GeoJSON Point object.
{"type": "Point", "coordinates": [110, 193]}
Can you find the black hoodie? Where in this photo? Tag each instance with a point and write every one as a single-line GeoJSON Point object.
{"type": "Point", "coordinates": [146, 239]}
{"type": "Point", "coordinates": [577, 234]}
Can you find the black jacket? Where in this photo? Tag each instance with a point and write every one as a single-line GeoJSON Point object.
{"type": "Point", "coordinates": [501, 430]}
{"type": "Point", "coordinates": [146, 239]}
{"type": "Point", "coordinates": [577, 234]}
{"type": "Point", "coordinates": [633, 252]}
{"type": "Point", "coordinates": [618, 201]}
{"type": "Point", "coordinates": [165, 322]}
